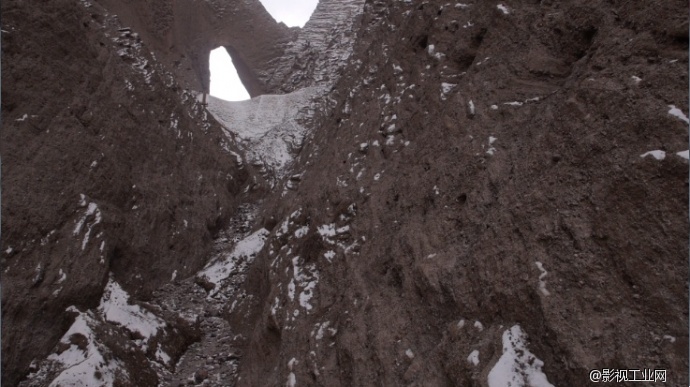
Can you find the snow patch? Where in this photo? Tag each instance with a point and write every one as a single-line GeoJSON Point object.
{"type": "Point", "coordinates": [670, 338]}
{"type": "Point", "coordinates": [115, 307]}
{"type": "Point", "coordinates": [321, 328]}
{"type": "Point", "coordinates": [517, 367]}
{"type": "Point", "coordinates": [62, 278]}
{"type": "Point", "coordinates": [291, 290]}
{"type": "Point", "coordinates": [306, 279]}
{"type": "Point", "coordinates": [80, 362]}
{"type": "Point", "coordinates": [657, 154]}
{"type": "Point", "coordinates": [241, 255]}
{"type": "Point", "coordinates": [327, 230]}
{"type": "Point", "coordinates": [291, 380]}
{"type": "Point", "coordinates": [473, 357]}
{"type": "Point", "coordinates": [302, 231]}
{"type": "Point", "coordinates": [446, 88]}
{"type": "Point", "coordinates": [91, 211]}
{"type": "Point", "coordinates": [542, 283]}
{"type": "Point", "coordinates": [674, 111]}
{"type": "Point", "coordinates": [684, 154]}
{"type": "Point", "coordinates": [268, 125]}
{"type": "Point", "coordinates": [491, 149]}
{"type": "Point", "coordinates": [162, 356]}
{"type": "Point", "coordinates": [329, 255]}
{"type": "Point", "coordinates": [503, 9]}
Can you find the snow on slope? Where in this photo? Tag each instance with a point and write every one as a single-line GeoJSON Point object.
{"type": "Point", "coordinates": [269, 127]}
{"type": "Point", "coordinates": [81, 360]}
{"type": "Point", "coordinates": [242, 254]}
{"type": "Point", "coordinates": [517, 367]}
{"type": "Point", "coordinates": [115, 307]}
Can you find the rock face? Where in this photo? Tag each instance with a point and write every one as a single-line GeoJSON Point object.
{"type": "Point", "coordinates": [322, 48]}
{"type": "Point", "coordinates": [479, 181]}
{"type": "Point", "coordinates": [109, 166]}
{"type": "Point", "coordinates": [183, 32]}
{"type": "Point", "coordinates": [475, 193]}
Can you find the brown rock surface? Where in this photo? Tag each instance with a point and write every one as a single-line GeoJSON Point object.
{"type": "Point", "coordinates": [457, 211]}
{"type": "Point", "coordinates": [88, 111]}
{"type": "Point", "coordinates": [468, 168]}
{"type": "Point", "coordinates": [183, 32]}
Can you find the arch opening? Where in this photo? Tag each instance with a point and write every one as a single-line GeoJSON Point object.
{"type": "Point", "coordinates": [225, 83]}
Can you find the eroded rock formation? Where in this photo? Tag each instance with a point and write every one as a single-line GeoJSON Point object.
{"type": "Point", "coordinates": [108, 166]}
{"type": "Point", "coordinates": [183, 32]}
{"type": "Point", "coordinates": [468, 194]}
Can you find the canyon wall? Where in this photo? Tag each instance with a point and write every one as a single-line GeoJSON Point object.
{"type": "Point", "coordinates": [475, 193]}
{"type": "Point", "coordinates": [109, 166]}
{"type": "Point", "coordinates": [489, 174]}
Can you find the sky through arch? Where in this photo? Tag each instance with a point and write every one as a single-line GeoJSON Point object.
{"type": "Point", "coordinates": [225, 83]}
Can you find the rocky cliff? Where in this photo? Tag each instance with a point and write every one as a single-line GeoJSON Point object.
{"type": "Point", "coordinates": [110, 166]}
{"type": "Point", "coordinates": [183, 32]}
{"type": "Point", "coordinates": [432, 194]}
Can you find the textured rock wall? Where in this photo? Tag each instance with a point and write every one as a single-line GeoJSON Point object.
{"type": "Point", "coordinates": [472, 173]}
{"type": "Point", "coordinates": [482, 168]}
{"type": "Point", "coordinates": [108, 166]}
{"type": "Point", "coordinates": [183, 32]}
{"type": "Point", "coordinates": [321, 50]}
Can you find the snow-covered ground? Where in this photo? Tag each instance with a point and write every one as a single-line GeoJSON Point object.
{"type": "Point", "coordinates": [84, 356]}
{"type": "Point", "coordinates": [236, 261]}
{"type": "Point", "coordinates": [269, 127]}
{"type": "Point", "coordinates": [115, 308]}
{"type": "Point", "coordinates": [82, 361]}
{"type": "Point", "coordinates": [517, 367]}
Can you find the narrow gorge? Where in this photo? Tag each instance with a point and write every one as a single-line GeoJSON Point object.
{"type": "Point", "coordinates": [418, 193]}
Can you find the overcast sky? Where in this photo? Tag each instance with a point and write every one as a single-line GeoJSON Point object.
{"type": "Point", "coordinates": [225, 83]}
{"type": "Point", "coordinates": [294, 13]}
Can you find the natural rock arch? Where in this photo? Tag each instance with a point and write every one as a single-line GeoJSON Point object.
{"type": "Point", "coordinates": [185, 32]}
